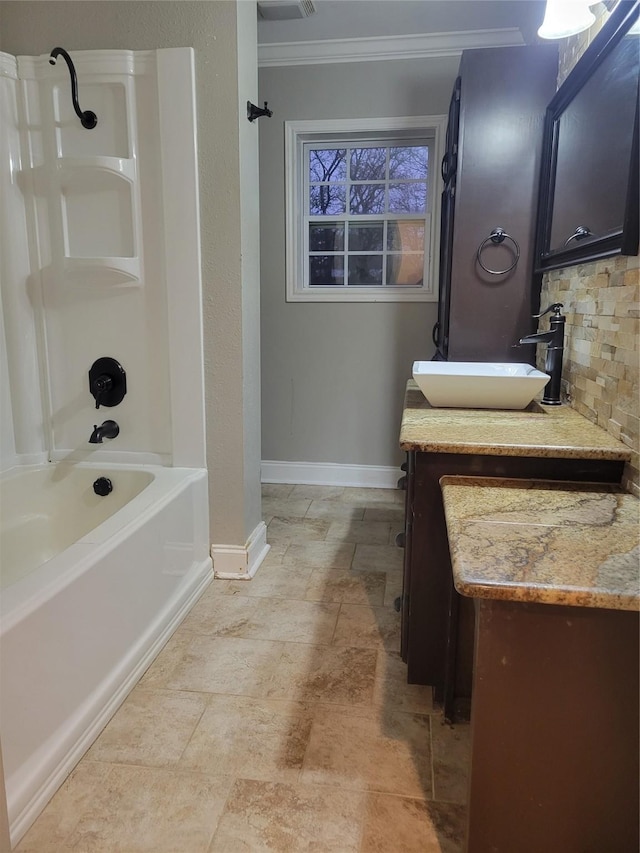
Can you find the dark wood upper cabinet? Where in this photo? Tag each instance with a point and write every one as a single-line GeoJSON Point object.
{"type": "Point", "coordinates": [588, 203]}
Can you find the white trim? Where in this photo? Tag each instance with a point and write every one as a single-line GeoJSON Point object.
{"type": "Point", "coordinates": [237, 562]}
{"type": "Point", "coordinates": [178, 150]}
{"type": "Point", "coordinates": [8, 66]}
{"type": "Point", "coordinates": [296, 133]}
{"type": "Point", "coordinates": [376, 48]}
{"type": "Point", "coordinates": [331, 474]}
{"type": "Point", "coordinates": [103, 455]}
{"type": "Point", "coordinates": [88, 62]}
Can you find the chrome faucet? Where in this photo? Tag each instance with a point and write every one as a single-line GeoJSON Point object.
{"type": "Point", "coordinates": [108, 429]}
{"type": "Point", "coordinates": [554, 339]}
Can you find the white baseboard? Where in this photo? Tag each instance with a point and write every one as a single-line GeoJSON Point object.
{"type": "Point", "coordinates": [241, 562]}
{"type": "Point", "coordinates": [331, 474]}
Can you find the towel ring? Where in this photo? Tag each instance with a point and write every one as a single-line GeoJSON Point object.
{"type": "Point", "coordinates": [497, 236]}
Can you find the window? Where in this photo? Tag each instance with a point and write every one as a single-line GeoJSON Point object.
{"type": "Point", "coordinates": [361, 197]}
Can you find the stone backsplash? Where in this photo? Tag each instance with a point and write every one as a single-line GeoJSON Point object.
{"type": "Point", "coordinates": [601, 301]}
{"type": "Point", "coordinates": [602, 353]}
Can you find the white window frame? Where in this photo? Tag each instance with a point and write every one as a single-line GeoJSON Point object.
{"type": "Point", "coordinates": [297, 134]}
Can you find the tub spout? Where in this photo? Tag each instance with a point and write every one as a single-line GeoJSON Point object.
{"type": "Point", "coordinates": [108, 429]}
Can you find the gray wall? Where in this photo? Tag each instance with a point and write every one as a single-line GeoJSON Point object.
{"type": "Point", "coordinates": [223, 34]}
{"type": "Point", "coordinates": [333, 375]}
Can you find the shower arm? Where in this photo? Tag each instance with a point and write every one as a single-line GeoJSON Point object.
{"type": "Point", "coordinates": [87, 118]}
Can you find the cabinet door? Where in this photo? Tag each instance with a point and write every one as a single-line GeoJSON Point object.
{"type": "Point", "coordinates": [440, 333]}
{"type": "Point", "coordinates": [441, 329]}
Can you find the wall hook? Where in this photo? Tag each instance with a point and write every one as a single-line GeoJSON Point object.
{"type": "Point", "coordinates": [254, 112]}
{"type": "Point", "coordinates": [87, 118]}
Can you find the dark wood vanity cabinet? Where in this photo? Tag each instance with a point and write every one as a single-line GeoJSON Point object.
{"type": "Point", "coordinates": [437, 623]}
{"type": "Point", "coordinates": [491, 171]}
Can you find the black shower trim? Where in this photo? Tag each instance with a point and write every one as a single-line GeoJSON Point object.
{"type": "Point", "coordinates": [87, 118]}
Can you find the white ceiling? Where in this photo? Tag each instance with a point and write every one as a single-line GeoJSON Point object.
{"type": "Point", "coordinates": [345, 19]}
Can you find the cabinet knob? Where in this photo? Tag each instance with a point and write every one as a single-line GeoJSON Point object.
{"type": "Point", "coordinates": [402, 483]}
{"type": "Point", "coordinates": [400, 540]}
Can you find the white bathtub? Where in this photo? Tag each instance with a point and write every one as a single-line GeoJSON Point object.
{"type": "Point", "coordinates": [95, 587]}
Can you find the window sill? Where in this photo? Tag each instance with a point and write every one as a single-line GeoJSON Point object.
{"type": "Point", "coordinates": [365, 294]}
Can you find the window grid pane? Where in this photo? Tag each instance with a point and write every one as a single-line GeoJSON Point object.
{"type": "Point", "coordinates": [369, 272]}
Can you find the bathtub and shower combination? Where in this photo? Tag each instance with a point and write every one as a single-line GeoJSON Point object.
{"type": "Point", "coordinates": [94, 581]}
{"type": "Point", "coordinates": [94, 588]}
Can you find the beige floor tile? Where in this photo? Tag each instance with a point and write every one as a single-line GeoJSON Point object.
{"type": "Point", "coordinates": [250, 738]}
{"type": "Point", "coordinates": [401, 825]}
{"type": "Point", "coordinates": [271, 816]}
{"type": "Point", "coordinates": [378, 558]}
{"type": "Point", "coordinates": [277, 550]}
{"type": "Point", "coordinates": [318, 493]}
{"type": "Point", "coordinates": [152, 728]}
{"type": "Point", "coordinates": [393, 588]}
{"type": "Point", "coordinates": [363, 532]}
{"type": "Point", "coordinates": [171, 655]}
{"type": "Point", "coordinates": [282, 686]}
{"type": "Point", "coordinates": [367, 497]}
{"type": "Point", "coordinates": [391, 512]}
{"type": "Point", "coordinates": [218, 615]}
{"type": "Point", "coordinates": [335, 511]}
{"type": "Point", "coordinates": [273, 582]}
{"type": "Point", "coordinates": [389, 754]}
{"type": "Point", "coordinates": [292, 621]}
{"type": "Point", "coordinates": [320, 555]}
{"type": "Point", "coordinates": [226, 665]}
{"type": "Point", "coordinates": [367, 627]}
{"type": "Point", "coordinates": [324, 674]}
{"type": "Point", "coordinates": [285, 507]}
{"type": "Point", "coordinates": [276, 490]}
{"type": "Point", "coordinates": [451, 747]}
{"type": "Point", "coordinates": [132, 810]}
{"type": "Point", "coordinates": [392, 691]}
{"type": "Point", "coordinates": [295, 529]}
{"type": "Point", "coordinates": [344, 586]}
{"type": "Point", "coordinates": [73, 799]}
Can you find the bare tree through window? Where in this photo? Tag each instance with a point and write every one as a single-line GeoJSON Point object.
{"type": "Point", "coordinates": [362, 190]}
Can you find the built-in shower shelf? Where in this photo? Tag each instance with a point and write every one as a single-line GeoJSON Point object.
{"type": "Point", "coordinates": [123, 272]}
{"type": "Point", "coordinates": [121, 166]}
{"type": "Point", "coordinates": [66, 169]}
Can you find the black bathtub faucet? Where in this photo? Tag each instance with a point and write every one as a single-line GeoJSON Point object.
{"type": "Point", "coordinates": [107, 429]}
{"type": "Point", "coordinates": [554, 339]}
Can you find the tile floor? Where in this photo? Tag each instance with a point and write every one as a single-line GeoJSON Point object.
{"type": "Point", "coordinates": [278, 718]}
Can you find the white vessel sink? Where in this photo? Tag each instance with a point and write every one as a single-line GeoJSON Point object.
{"type": "Point", "coordinates": [478, 385]}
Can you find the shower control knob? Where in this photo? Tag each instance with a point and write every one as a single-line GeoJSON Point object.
{"type": "Point", "coordinates": [101, 385]}
{"type": "Point", "coordinates": [103, 486]}
{"type": "Point", "coordinates": [107, 382]}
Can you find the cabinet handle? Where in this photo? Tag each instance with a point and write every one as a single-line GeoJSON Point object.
{"type": "Point", "coordinates": [444, 169]}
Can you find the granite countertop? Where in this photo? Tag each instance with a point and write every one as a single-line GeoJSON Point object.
{"type": "Point", "coordinates": [573, 544]}
{"type": "Point", "coordinates": [557, 431]}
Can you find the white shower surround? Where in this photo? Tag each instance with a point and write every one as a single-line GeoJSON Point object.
{"type": "Point", "coordinates": [63, 304]}
{"type": "Point", "coordinates": [62, 311]}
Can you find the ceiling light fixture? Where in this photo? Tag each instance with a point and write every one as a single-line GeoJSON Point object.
{"type": "Point", "coordinates": [564, 18]}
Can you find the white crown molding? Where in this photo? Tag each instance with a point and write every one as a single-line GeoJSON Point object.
{"type": "Point", "coordinates": [375, 48]}
{"type": "Point", "coordinates": [331, 474]}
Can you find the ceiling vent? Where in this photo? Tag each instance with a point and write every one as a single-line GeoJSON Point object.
{"type": "Point", "coordinates": [285, 10]}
